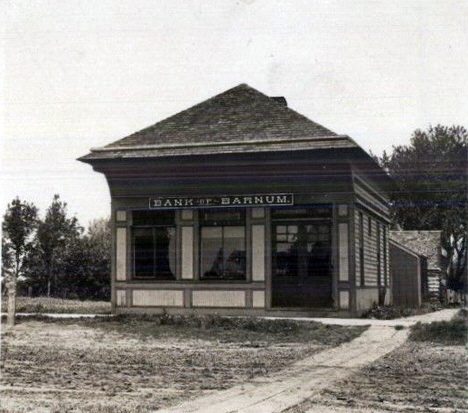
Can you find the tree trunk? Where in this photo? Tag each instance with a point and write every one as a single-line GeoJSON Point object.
{"type": "Point", "coordinates": [11, 315]}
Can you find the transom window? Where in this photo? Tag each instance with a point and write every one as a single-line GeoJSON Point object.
{"type": "Point", "coordinates": [222, 245]}
{"type": "Point", "coordinates": [154, 245]}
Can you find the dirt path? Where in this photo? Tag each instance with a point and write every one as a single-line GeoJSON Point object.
{"type": "Point", "coordinates": [312, 375]}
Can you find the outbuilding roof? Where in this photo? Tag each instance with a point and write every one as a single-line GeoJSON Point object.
{"type": "Point", "coordinates": [240, 119]}
{"type": "Point", "coordinates": [427, 243]}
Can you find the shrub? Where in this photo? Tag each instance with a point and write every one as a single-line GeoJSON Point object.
{"type": "Point", "coordinates": [388, 312]}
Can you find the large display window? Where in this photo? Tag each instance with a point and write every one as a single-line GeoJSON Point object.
{"type": "Point", "coordinates": [222, 245]}
{"type": "Point", "coordinates": [154, 245]}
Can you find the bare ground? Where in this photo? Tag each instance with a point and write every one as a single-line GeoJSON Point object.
{"type": "Point", "coordinates": [417, 377]}
{"type": "Point", "coordinates": [76, 366]}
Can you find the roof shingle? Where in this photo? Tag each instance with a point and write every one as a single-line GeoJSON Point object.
{"type": "Point", "coordinates": [427, 243]}
{"type": "Point", "coordinates": [237, 116]}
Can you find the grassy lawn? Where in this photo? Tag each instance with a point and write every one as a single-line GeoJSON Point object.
{"type": "Point", "coordinates": [453, 332]}
{"type": "Point", "coordinates": [140, 364]}
{"type": "Point", "coordinates": [58, 305]}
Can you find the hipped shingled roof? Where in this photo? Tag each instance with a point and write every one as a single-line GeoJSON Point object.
{"type": "Point", "coordinates": [241, 119]}
{"type": "Point", "coordinates": [427, 243]}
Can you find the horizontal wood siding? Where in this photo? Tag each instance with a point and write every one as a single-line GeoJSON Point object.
{"type": "Point", "coordinates": [372, 242]}
{"type": "Point", "coordinates": [357, 244]}
{"type": "Point", "coordinates": [370, 251]}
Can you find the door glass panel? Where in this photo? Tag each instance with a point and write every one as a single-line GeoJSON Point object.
{"type": "Point", "coordinates": [318, 259]}
{"type": "Point", "coordinates": [292, 238]}
{"type": "Point", "coordinates": [287, 260]}
{"type": "Point", "coordinates": [323, 229]}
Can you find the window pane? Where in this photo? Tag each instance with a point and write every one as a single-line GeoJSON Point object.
{"type": "Point", "coordinates": [144, 252]}
{"type": "Point", "coordinates": [211, 252]}
{"type": "Point", "coordinates": [234, 252]}
{"type": "Point", "coordinates": [165, 252]}
{"type": "Point", "coordinates": [223, 252]}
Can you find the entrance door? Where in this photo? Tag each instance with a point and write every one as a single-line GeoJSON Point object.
{"type": "Point", "coordinates": [301, 267]}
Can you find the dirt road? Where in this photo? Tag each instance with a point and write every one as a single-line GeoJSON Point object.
{"type": "Point", "coordinates": [310, 376]}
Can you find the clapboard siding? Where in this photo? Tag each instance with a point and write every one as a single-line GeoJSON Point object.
{"type": "Point", "coordinates": [371, 242]}
{"type": "Point", "coordinates": [357, 244]}
{"type": "Point", "coordinates": [370, 251]}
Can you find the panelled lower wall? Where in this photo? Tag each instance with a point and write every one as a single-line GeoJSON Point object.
{"type": "Point", "coordinates": [188, 292]}
{"type": "Point", "coordinates": [185, 296]}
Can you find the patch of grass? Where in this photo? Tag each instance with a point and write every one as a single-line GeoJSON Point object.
{"type": "Point", "coordinates": [43, 305]}
{"type": "Point", "coordinates": [254, 331]}
{"type": "Point", "coordinates": [388, 312]}
{"type": "Point", "coordinates": [453, 332]}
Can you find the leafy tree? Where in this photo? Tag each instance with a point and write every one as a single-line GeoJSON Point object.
{"type": "Point", "coordinates": [86, 264]}
{"type": "Point", "coordinates": [54, 235]}
{"type": "Point", "coordinates": [431, 176]}
{"type": "Point", "coordinates": [19, 223]}
{"type": "Point", "coordinates": [99, 251]}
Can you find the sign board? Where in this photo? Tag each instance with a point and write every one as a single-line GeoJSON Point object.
{"type": "Point", "coordinates": [224, 201]}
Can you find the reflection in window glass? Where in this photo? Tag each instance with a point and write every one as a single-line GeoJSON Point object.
{"type": "Point", "coordinates": [144, 252]}
{"type": "Point", "coordinates": [154, 252]}
{"type": "Point", "coordinates": [223, 252]}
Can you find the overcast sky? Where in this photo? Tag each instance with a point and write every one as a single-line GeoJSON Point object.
{"type": "Point", "coordinates": [80, 74]}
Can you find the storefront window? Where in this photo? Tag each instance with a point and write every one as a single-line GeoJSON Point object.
{"type": "Point", "coordinates": [154, 246]}
{"type": "Point", "coordinates": [222, 245]}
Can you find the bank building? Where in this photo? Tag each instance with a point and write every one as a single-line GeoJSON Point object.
{"type": "Point", "coordinates": [240, 205]}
